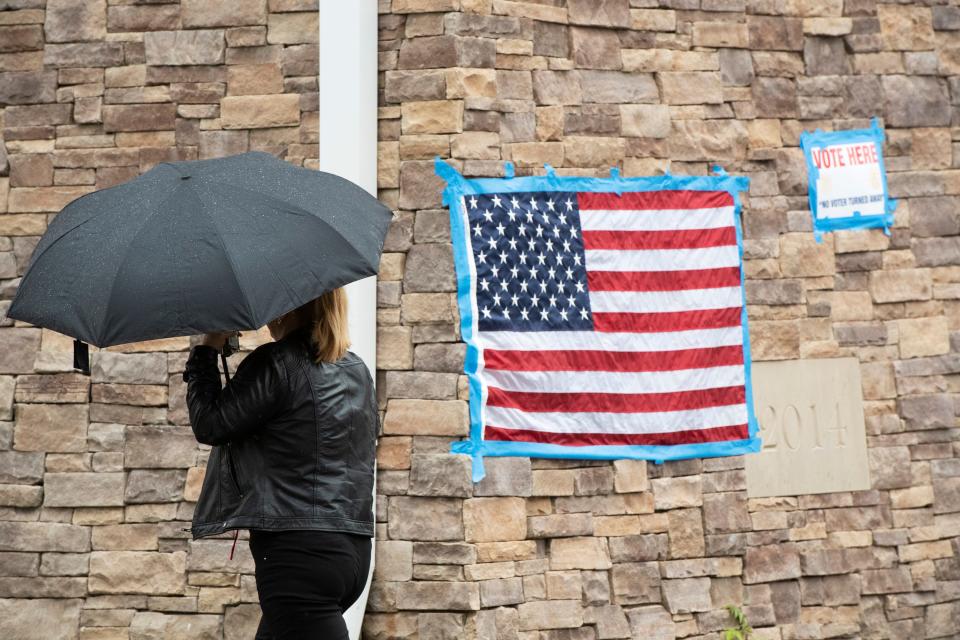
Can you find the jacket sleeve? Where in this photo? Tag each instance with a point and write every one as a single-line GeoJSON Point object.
{"type": "Point", "coordinates": [253, 396]}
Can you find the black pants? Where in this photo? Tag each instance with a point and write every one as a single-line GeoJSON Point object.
{"type": "Point", "coordinates": [306, 580]}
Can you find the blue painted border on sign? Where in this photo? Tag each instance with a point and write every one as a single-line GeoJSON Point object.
{"type": "Point", "coordinates": [820, 138]}
{"type": "Point", "coordinates": [457, 188]}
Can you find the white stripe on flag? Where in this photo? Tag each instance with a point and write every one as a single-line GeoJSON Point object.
{"type": "Point", "coordinates": [599, 341]}
{"type": "Point", "coordinates": [662, 259]}
{"type": "Point", "coordinates": [665, 422]}
{"type": "Point", "coordinates": [665, 301]}
{"type": "Point", "coordinates": [616, 382]}
{"type": "Point", "coordinates": [655, 220]}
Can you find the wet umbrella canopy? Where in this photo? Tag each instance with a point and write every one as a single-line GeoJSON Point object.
{"type": "Point", "coordinates": [199, 246]}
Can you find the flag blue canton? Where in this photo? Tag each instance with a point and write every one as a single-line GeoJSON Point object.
{"type": "Point", "coordinates": [528, 252]}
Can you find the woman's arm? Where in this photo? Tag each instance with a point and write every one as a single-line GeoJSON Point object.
{"type": "Point", "coordinates": [251, 398]}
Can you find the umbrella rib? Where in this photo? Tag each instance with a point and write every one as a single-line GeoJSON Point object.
{"type": "Point", "coordinates": [233, 267]}
{"type": "Point", "coordinates": [126, 254]}
{"type": "Point", "coordinates": [297, 211]}
{"type": "Point", "coordinates": [36, 258]}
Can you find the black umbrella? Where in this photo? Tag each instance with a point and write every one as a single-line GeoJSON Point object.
{"type": "Point", "coordinates": [199, 246]}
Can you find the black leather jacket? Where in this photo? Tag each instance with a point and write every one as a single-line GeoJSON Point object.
{"type": "Point", "coordinates": [294, 443]}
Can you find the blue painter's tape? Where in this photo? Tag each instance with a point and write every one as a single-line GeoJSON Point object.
{"type": "Point", "coordinates": [820, 139]}
{"type": "Point", "coordinates": [476, 447]}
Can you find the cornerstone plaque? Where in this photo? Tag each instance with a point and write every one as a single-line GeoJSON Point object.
{"type": "Point", "coordinates": [811, 423]}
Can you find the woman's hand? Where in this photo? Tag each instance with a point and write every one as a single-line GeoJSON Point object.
{"type": "Point", "coordinates": [217, 340]}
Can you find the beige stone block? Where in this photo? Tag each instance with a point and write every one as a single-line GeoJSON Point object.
{"type": "Point", "coordinates": [866, 240]}
{"type": "Point", "coordinates": [426, 417]}
{"type": "Point", "coordinates": [912, 497]}
{"type": "Point", "coordinates": [924, 337]}
{"type": "Point", "coordinates": [21, 496]}
{"type": "Point", "coordinates": [201, 13]}
{"type": "Point", "coordinates": [774, 339]}
{"type": "Point", "coordinates": [43, 199]}
{"type": "Point", "coordinates": [553, 482]}
{"type": "Point", "coordinates": [709, 141]}
{"type": "Point", "coordinates": [47, 618]}
{"type": "Point", "coordinates": [419, 308]}
{"type": "Point", "coordinates": [424, 6]}
{"type": "Point", "coordinates": [476, 145]}
{"type": "Point", "coordinates": [254, 79]}
{"type": "Point", "coordinates": [901, 285]}
{"type": "Point", "coordinates": [585, 552]}
{"type": "Point", "coordinates": [691, 87]}
{"type": "Point", "coordinates": [906, 27]}
{"type": "Point", "coordinates": [293, 28]}
{"type": "Point", "coordinates": [645, 120]}
{"type": "Point", "coordinates": [925, 551]}
{"type": "Point", "coordinates": [124, 572]}
{"type": "Point", "coordinates": [851, 305]}
{"type": "Point", "coordinates": [194, 483]}
{"type": "Point", "coordinates": [125, 537]}
{"type": "Point", "coordinates": [470, 83]}
{"type": "Point", "coordinates": [50, 427]}
{"type": "Point", "coordinates": [550, 121]}
{"type": "Point", "coordinates": [83, 489]}
{"type": "Point", "coordinates": [134, 75]}
{"type": "Point", "coordinates": [676, 493]}
{"type": "Point", "coordinates": [764, 133]}
{"type": "Point", "coordinates": [432, 116]}
{"type": "Point", "coordinates": [832, 26]}
{"type": "Point", "coordinates": [494, 519]}
{"type": "Point", "coordinates": [645, 166]}
{"type": "Point", "coordinates": [391, 266]}
{"type": "Point", "coordinates": [878, 380]}
{"type": "Point", "coordinates": [586, 151]}
{"type": "Point", "coordinates": [605, 526]}
{"type": "Point", "coordinates": [653, 20]}
{"type": "Point", "coordinates": [255, 112]}
{"type": "Point", "coordinates": [801, 255]}
{"type": "Point", "coordinates": [655, 60]}
{"type": "Point", "coordinates": [394, 560]}
{"type": "Point", "coordinates": [388, 165]}
{"type": "Point", "coordinates": [535, 154]}
{"type": "Point", "coordinates": [721, 34]}
{"type": "Point", "coordinates": [931, 148]}
{"type": "Point", "coordinates": [394, 347]}
{"type": "Point", "coordinates": [543, 12]}
{"type": "Point", "coordinates": [630, 476]}
{"type": "Point", "coordinates": [512, 551]}
{"type": "Point", "coordinates": [393, 452]}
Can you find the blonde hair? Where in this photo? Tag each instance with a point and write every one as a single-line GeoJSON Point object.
{"type": "Point", "coordinates": [329, 332]}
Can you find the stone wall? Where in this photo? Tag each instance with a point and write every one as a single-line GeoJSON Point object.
{"type": "Point", "coordinates": [98, 475]}
{"type": "Point", "coordinates": [552, 550]}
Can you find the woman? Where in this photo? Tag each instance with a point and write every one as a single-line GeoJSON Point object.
{"type": "Point", "coordinates": [294, 434]}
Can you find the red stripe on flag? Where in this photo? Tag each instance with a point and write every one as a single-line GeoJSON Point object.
{"type": "Point", "coordinates": [652, 200]}
{"type": "Point", "coordinates": [672, 321]}
{"type": "Point", "coordinates": [597, 360]}
{"type": "Point", "coordinates": [615, 402]}
{"type": "Point", "coordinates": [677, 239]}
{"type": "Point", "coordinates": [663, 280]}
{"type": "Point", "coordinates": [716, 434]}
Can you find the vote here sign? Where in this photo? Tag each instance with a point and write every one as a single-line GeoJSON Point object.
{"type": "Point", "coordinates": [847, 181]}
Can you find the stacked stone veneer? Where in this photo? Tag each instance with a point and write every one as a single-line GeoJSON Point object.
{"type": "Point", "coordinates": [553, 550]}
{"type": "Point", "coordinates": [100, 474]}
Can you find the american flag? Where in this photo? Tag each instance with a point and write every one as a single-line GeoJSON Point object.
{"type": "Point", "coordinates": [605, 319]}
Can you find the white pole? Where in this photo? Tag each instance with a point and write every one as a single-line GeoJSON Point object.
{"type": "Point", "coordinates": [348, 148]}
